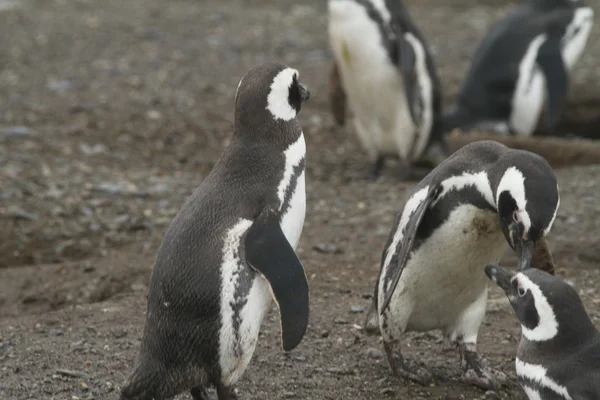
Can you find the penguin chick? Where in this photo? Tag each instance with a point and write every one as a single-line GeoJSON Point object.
{"type": "Point", "coordinates": [457, 219]}
{"type": "Point", "coordinates": [384, 71]}
{"type": "Point", "coordinates": [523, 62]}
{"type": "Point", "coordinates": [230, 251]}
{"type": "Point", "coordinates": [559, 353]}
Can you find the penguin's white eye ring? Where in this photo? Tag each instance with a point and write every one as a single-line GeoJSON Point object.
{"type": "Point", "coordinates": [521, 291]}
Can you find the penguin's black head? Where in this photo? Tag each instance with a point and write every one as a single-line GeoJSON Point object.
{"type": "Point", "coordinates": [271, 90]}
{"type": "Point", "coordinates": [527, 200]}
{"type": "Point", "coordinates": [541, 301]}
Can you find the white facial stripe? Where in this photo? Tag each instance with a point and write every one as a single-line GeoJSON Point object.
{"type": "Point", "coordinates": [547, 327]}
{"type": "Point", "coordinates": [411, 205]}
{"type": "Point", "coordinates": [538, 374]}
{"type": "Point", "coordinates": [513, 182]}
{"type": "Point", "coordinates": [479, 180]}
{"type": "Point", "coordinates": [547, 230]}
{"type": "Point", "coordinates": [277, 101]}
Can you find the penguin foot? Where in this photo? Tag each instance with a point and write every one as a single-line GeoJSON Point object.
{"type": "Point", "coordinates": [476, 372]}
{"type": "Point", "coordinates": [200, 393]}
{"type": "Point", "coordinates": [402, 369]}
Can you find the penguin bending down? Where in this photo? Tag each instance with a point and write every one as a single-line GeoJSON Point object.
{"type": "Point", "coordinates": [384, 71]}
{"type": "Point", "coordinates": [559, 353]}
{"type": "Point", "coordinates": [230, 250]}
{"type": "Point", "coordinates": [524, 61]}
{"type": "Point", "coordinates": [455, 221]}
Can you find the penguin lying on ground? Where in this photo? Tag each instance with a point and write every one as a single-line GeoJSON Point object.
{"type": "Point", "coordinates": [384, 70]}
{"type": "Point", "coordinates": [456, 220]}
{"type": "Point", "coordinates": [524, 61]}
{"type": "Point", "coordinates": [230, 250]}
{"type": "Point", "coordinates": [559, 353]}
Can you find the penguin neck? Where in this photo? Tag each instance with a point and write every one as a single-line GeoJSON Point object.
{"type": "Point", "coordinates": [456, 117]}
{"type": "Point", "coordinates": [575, 330]}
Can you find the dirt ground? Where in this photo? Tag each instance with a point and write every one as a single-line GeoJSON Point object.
{"type": "Point", "coordinates": [112, 112]}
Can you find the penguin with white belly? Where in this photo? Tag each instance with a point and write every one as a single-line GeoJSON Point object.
{"type": "Point", "coordinates": [559, 354]}
{"type": "Point", "coordinates": [454, 222]}
{"type": "Point", "coordinates": [230, 251]}
{"type": "Point", "coordinates": [386, 74]}
{"type": "Point", "coordinates": [522, 64]}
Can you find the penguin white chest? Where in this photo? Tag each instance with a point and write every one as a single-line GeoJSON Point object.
{"type": "Point", "coordinates": [528, 98]}
{"type": "Point", "coordinates": [372, 82]}
{"type": "Point", "coordinates": [445, 275]}
{"type": "Point", "coordinates": [292, 192]}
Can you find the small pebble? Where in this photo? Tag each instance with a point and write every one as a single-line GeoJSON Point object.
{"type": "Point", "coordinates": [55, 332]}
{"type": "Point", "coordinates": [374, 353]}
{"type": "Point", "coordinates": [386, 390]}
{"type": "Point", "coordinates": [357, 309]}
{"type": "Point", "coordinates": [491, 395]}
{"type": "Point", "coordinates": [289, 394]}
{"type": "Point", "coordinates": [299, 358]}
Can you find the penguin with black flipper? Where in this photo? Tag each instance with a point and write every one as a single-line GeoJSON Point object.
{"type": "Point", "coordinates": [383, 70]}
{"type": "Point", "coordinates": [459, 217]}
{"type": "Point", "coordinates": [559, 353]}
{"type": "Point", "coordinates": [523, 63]}
{"type": "Point", "coordinates": [230, 251]}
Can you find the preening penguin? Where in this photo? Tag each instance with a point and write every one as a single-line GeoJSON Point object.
{"type": "Point", "coordinates": [384, 71]}
{"type": "Point", "coordinates": [523, 63]}
{"type": "Point", "coordinates": [559, 353]}
{"type": "Point", "coordinates": [455, 220]}
{"type": "Point", "coordinates": [230, 251]}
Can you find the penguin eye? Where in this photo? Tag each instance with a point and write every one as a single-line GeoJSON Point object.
{"type": "Point", "coordinates": [521, 291]}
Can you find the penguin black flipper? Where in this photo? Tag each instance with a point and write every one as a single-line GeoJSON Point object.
{"type": "Point", "coordinates": [549, 59]}
{"type": "Point", "coordinates": [410, 232]}
{"type": "Point", "coordinates": [271, 255]}
{"type": "Point", "coordinates": [407, 59]}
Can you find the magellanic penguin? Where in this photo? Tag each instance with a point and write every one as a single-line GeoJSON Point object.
{"type": "Point", "coordinates": [384, 71]}
{"type": "Point", "coordinates": [230, 251]}
{"type": "Point", "coordinates": [559, 353]}
{"type": "Point", "coordinates": [454, 222]}
{"type": "Point", "coordinates": [521, 65]}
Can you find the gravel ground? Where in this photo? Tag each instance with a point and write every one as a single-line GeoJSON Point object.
{"type": "Point", "coordinates": [112, 112]}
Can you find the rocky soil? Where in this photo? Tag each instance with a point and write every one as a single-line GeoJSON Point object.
{"type": "Point", "coordinates": [112, 112]}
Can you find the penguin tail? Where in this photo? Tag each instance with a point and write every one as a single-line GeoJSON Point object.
{"type": "Point", "coordinates": [142, 384]}
{"type": "Point", "coordinates": [371, 324]}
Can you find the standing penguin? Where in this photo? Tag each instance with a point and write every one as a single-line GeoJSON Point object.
{"type": "Point", "coordinates": [559, 353]}
{"type": "Point", "coordinates": [524, 61]}
{"type": "Point", "coordinates": [229, 251]}
{"type": "Point", "coordinates": [457, 219]}
{"type": "Point", "coordinates": [383, 69]}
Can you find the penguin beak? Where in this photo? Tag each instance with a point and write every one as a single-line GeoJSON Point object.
{"type": "Point", "coordinates": [524, 249]}
{"type": "Point", "coordinates": [500, 277]}
{"type": "Point", "coordinates": [304, 92]}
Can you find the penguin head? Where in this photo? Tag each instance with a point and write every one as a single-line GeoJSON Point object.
{"type": "Point", "coordinates": [552, 4]}
{"type": "Point", "coordinates": [269, 92]}
{"type": "Point", "coordinates": [540, 301]}
{"type": "Point", "coordinates": [527, 199]}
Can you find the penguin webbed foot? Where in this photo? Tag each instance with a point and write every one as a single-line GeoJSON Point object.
{"type": "Point", "coordinates": [476, 372]}
{"type": "Point", "coordinates": [401, 367]}
{"type": "Point", "coordinates": [371, 324]}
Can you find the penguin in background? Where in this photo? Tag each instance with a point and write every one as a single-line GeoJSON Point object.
{"type": "Point", "coordinates": [521, 69]}
{"type": "Point", "coordinates": [482, 199]}
{"type": "Point", "coordinates": [384, 71]}
{"type": "Point", "coordinates": [230, 251]}
{"type": "Point", "coordinates": [559, 353]}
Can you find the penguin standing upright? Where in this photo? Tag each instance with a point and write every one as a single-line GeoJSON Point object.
{"type": "Point", "coordinates": [523, 62]}
{"type": "Point", "coordinates": [457, 219]}
{"type": "Point", "coordinates": [559, 353]}
{"type": "Point", "coordinates": [384, 71]}
{"type": "Point", "coordinates": [230, 250]}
